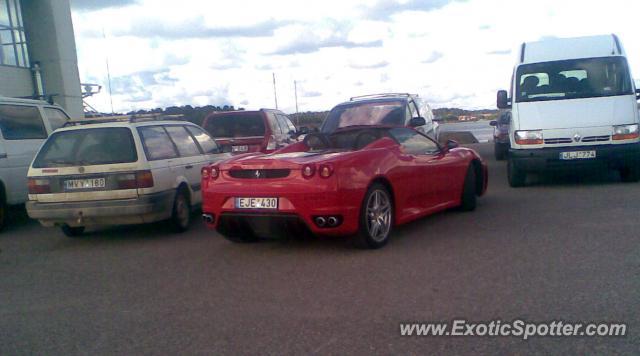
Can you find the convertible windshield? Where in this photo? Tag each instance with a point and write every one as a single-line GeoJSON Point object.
{"type": "Point", "coordinates": [365, 114]}
{"type": "Point", "coordinates": [570, 79]}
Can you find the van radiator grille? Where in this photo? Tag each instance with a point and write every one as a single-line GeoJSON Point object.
{"type": "Point", "coordinates": [259, 173]}
{"type": "Point", "coordinates": [556, 141]}
{"type": "Point", "coordinates": [596, 138]}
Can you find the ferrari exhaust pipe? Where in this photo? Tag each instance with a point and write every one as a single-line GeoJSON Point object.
{"type": "Point", "coordinates": [208, 218]}
{"type": "Point", "coordinates": [321, 221]}
{"type": "Point", "coordinates": [332, 221]}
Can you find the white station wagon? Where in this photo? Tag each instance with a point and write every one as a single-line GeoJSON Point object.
{"type": "Point", "coordinates": [119, 172]}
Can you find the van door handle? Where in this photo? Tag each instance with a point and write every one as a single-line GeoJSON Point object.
{"type": "Point", "coordinates": [188, 167]}
{"type": "Point", "coordinates": [3, 155]}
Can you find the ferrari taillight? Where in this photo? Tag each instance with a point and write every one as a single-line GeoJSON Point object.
{"type": "Point", "coordinates": [325, 170]}
{"type": "Point", "coordinates": [211, 172]}
{"type": "Point", "coordinates": [308, 170]}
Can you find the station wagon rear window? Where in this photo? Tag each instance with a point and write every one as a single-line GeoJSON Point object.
{"type": "Point", "coordinates": [232, 126]}
{"type": "Point", "coordinates": [87, 147]}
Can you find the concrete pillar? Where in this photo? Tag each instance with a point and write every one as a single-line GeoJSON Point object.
{"type": "Point", "coordinates": [51, 41]}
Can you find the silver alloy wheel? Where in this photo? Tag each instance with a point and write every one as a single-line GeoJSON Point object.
{"type": "Point", "coordinates": [378, 215]}
{"type": "Point", "coordinates": [181, 210]}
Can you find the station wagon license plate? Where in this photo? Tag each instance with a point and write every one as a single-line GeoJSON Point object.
{"type": "Point", "coordinates": [74, 184]}
{"type": "Point", "coordinates": [239, 148]}
{"type": "Point", "coordinates": [257, 203]}
{"type": "Point", "coordinates": [577, 155]}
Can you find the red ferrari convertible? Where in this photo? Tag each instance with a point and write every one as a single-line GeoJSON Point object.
{"type": "Point", "coordinates": [357, 180]}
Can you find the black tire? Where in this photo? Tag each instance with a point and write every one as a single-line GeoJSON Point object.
{"type": "Point", "coordinates": [73, 232]}
{"type": "Point", "coordinates": [181, 212]}
{"type": "Point", "coordinates": [468, 201]}
{"type": "Point", "coordinates": [630, 174]}
{"type": "Point", "coordinates": [3, 211]}
{"type": "Point", "coordinates": [499, 151]}
{"type": "Point", "coordinates": [368, 235]}
{"type": "Point", "coordinates": [516, 176]}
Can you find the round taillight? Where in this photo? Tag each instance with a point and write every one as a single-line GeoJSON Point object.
{"type": "Point", "coordinates": [308, 170]}
{"type": "Point", "coordinates": [325, 171]}
{"type": "Point", "coordinates": [205, 172]}
{"type": "Point", "coordinates": [215, 172]}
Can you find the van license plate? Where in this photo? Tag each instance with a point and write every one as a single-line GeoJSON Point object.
{"type": "Point", "coordinates": [239, 148]}
{"type": "Point", "coordinates": [577, 155]}
{"type": "Point", "coordinates": [257, 203]}
{"type": "Point", "coordinates": [74, 184]}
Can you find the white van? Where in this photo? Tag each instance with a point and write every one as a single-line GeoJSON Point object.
{"type": "Point", "coordinates": [574, 105]}
{"type": "Point", "coordinates": [24, 125]}
{"type": "Point", "coordinates": [120, 172]}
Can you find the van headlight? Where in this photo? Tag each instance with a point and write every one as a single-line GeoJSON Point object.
{"type": "Point", "coordinates": [625, 132]}
{"type": "Point", "coordinates": [530, 137]}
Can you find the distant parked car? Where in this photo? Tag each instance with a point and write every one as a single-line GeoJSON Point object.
{"type": "Point", "coordinates": [121, 172]}
{"type": "Point", "coordinates": [24, 125]}
{"type": "Point", "coordinates": [264, 130]}
{"type": "Point", "coordinates": [501, 135]}
{"type": "Point", "coordinates": [390, 109]}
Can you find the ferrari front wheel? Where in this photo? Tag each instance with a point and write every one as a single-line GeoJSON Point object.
{"type": "Point", "coordinates": [376, 217]}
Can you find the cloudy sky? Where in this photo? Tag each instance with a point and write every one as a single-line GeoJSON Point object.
{"type": "Point", "coordinates": [198, 52]}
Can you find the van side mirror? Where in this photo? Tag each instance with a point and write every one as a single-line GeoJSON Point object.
{"type": "Point", "coordinates": [417, 121]}
{"type": "Point", "coordinates": [637, 94]}
{"type": "Point", "coordinates": [503, 100]}
{"type": "Point", "coordinates": [493, 123]}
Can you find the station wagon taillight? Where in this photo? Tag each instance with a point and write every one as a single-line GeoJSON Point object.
{"type": "Point", "coordinates": [39, 186]}
{"type": "Point", "coordinates": [135, 180]}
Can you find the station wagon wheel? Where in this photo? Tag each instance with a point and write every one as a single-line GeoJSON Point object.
{"type": "Point", "coordinates": [181, 215]}
{"type": "Point", "coordinates": [376, 217]}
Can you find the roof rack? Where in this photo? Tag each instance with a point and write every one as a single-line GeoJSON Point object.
{"type": "Point", "coordinates": [125, 118]}
{"type": "Point", "coordinates": [381, 95]}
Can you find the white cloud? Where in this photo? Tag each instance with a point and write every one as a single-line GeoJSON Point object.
{"type": "Point", "coordinates": [453, 53]}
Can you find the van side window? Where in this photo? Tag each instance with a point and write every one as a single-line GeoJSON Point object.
{"type": "Point", "coordinates": [205, 141]}
{"type": "Point", "coordinates": [19, 122]}
{"type": "Point", "coordinates": [57, 118]}
{"type": "Point", "coordinates": [157, 143]}
{"type": "Point", "coordinates": [187, 147]}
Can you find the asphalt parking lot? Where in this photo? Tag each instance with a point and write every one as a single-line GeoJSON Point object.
{"type": "Point", "coordinates": [563, 248]}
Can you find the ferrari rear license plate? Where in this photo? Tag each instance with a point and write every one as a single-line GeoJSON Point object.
{"type": "Point", "coordinates": [577, 155]}
{"type": "Point", "coordinates": [239, 148]}
{"type": "Point", "coordinates": [257, 203]}
{"type": "Point", "coordinates": [73, 184]}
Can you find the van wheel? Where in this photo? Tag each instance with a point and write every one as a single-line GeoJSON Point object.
{"type": "Point", "coordinates": [181, 214]}
{"type": "Point", "coordinates": [516, 176]}
{"type": "Point", "coordinates": [69, 231]}
{"type": "Point", "coordinates": [469, 198]}
{"type": "Point", "coordinates": [630, 174]}
{"type": "Point", "coordinates": [3, 211]}
{"type": "Point", "coordinates": [376, 217]}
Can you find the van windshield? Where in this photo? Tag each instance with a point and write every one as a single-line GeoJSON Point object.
{"type": "Point", "coordinates": [231, 126]}
{"type": "Point", "coordinates": [87, 147]}
{"type": "Point", "coordinates": [571, 79]}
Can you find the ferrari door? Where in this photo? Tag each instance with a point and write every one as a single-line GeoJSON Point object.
{"type": "Point", "coordinates": [422, 158]}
